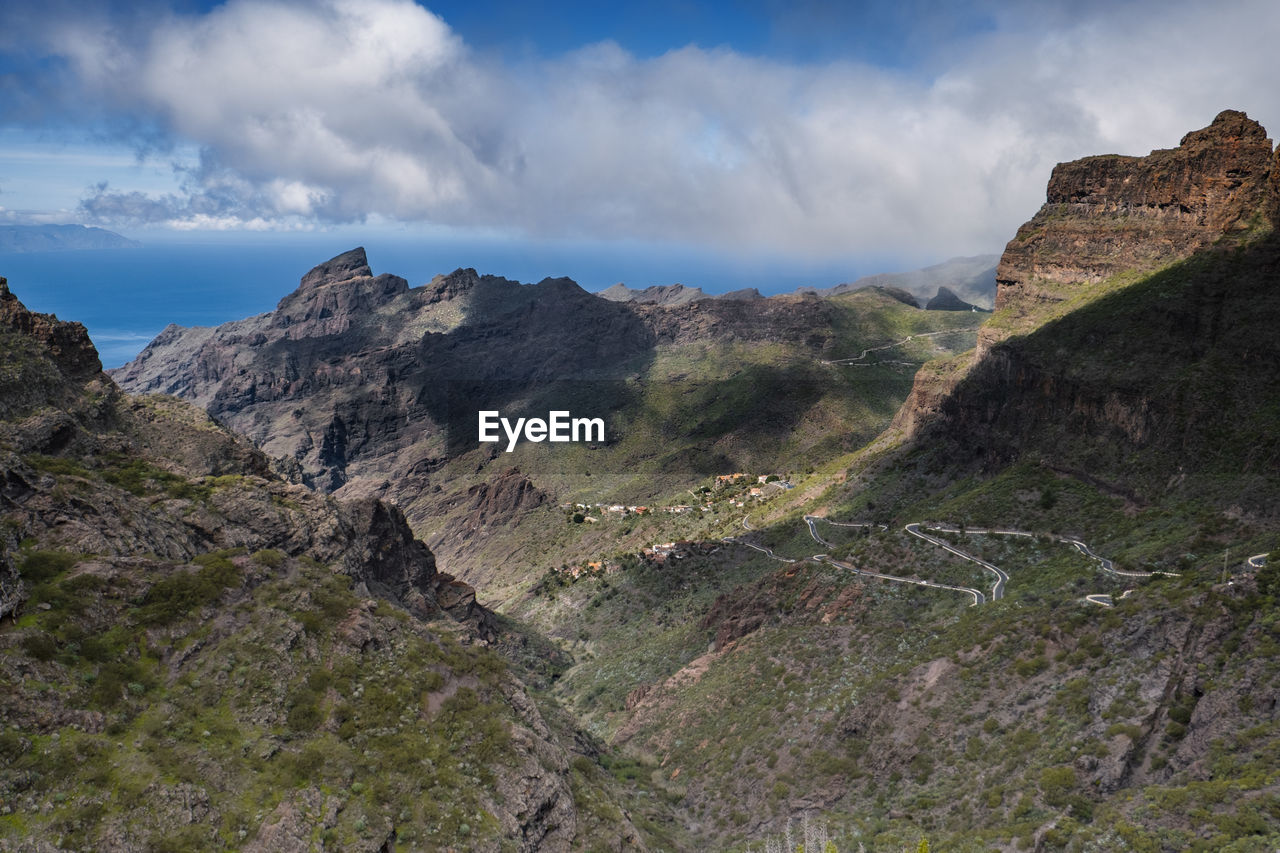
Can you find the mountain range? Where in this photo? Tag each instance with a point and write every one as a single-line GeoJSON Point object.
{"type": "Point", "coordinates": [365, 386]}
{"type": "Point", "coordinates": [980, 581]}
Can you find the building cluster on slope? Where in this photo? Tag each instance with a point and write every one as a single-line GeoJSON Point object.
{"type": "Point", "coordinates": [767, 486]}
{"type": "Point", "coordinates": [677, 550]}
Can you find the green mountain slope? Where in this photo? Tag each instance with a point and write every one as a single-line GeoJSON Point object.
{"type": "Point", "coordinates": [1101, 704]}
{"type": "Point", "coordinates": [201, 655]}
{"type": "Point", "coordinates": [367, 387]}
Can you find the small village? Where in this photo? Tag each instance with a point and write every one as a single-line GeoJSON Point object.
{"type": "Point", "coordinates": [706, 497]}
{"type": "Point", "coordinates": [735, 491]}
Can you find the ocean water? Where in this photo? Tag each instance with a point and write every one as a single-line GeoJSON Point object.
{"type": "Point", "coordinates": [127, 296]}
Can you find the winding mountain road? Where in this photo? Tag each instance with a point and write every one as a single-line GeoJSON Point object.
{"type": "Point", "coordinates": [1257, 561]}
{"type": "Point", "coordinates": [732, 540]}
{"type": "Point", "coordinates": [853, 361]}
{"type": "Point", "coordinates": [810, 520]}
{"type": "Point", "coordinates": [813, 530]}
{"type": "Point", "coordinates": [997, 589]}
{"type": "Point", "coordinates": [1002, 577]}
{"type": "Point", "coordinates": [978, 597]}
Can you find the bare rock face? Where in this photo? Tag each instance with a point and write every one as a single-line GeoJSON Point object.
{"type": "Point", "coordinates": [502, 498]}
{"type": "Point", "coordinates": [331, 295]}
{"type": "Point", "coordinates": [781, 318]}
{"type": "Point", "coordinates": [67, 343]}
{"type": "Point", "coordinates": [1175, 364]}
{"type": "Point", "coordinates": [1111, 213]}
{"type": "Point", "coordinates": [353, 375]}
{"type": "Point", "coordinates": [1105, 215]}
{"type": "Point", "coordinates": [364, 387]}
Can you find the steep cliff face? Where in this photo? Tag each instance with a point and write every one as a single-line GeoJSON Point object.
{"type": "Point", "coordinates": [355, 377]}
{"type": "Point", "coordinates": [1151, 381]}
{"type": "Point", "coordinates": [67, 344]}
{"type": "Point", "coordinates": [332, 296]}
{"type": "Point", "coordinates": [1108, 221]}
{"type": "Point", "coordinates": [1175, 377]}
{"type": "Point", "coordinates": [1110, 214]}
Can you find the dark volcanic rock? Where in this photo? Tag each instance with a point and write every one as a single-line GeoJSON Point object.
{"type": "Point", "coordinates": [947, 300]}
{"type": "Point", "coordinates": [79, 410]}
{"type": "Point", "coordinates": [355, 377]}
{"type": "Point", "coordinates": [348, 265]}
{"type": "Point", "coordinates": [1179, 366]}
{"type": "Point", "coordinates": [365, 386]}
{"type": "Point", "coordinates": [68, 343]}
{"type": "Point", "coordinates": [503, 498]}
{"type": "Point", "coordinates": [332, 295]}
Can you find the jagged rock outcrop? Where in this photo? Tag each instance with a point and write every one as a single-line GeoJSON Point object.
{"type": "Point", "coordinates": [371, 539]}
{"type": "Point", "coordinates": [358, 378]}
{"type": "Point", "coordinates": [365, 387]}
{"type": "Point", "coordinates": [331, 297]}
{"type": "Point", "coordinates": [501, 499]}
{"type": "Point", "coordinates": [947, 300]}
{"type": "Point", "coordinates": [658, 294]}
{"type": "Point", "coordinates": [1112, 213]}
{"type": "Point", "coordinates": [68, 344]}
{"type": "Point", "coordinates": [1179, 365]}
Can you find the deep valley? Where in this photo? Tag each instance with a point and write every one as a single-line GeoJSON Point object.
{"type": "Point", "coordinates": [994, 581]}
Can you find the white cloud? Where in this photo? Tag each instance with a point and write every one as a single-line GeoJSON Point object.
{"type": "Point", "coordinates": [340, 110]}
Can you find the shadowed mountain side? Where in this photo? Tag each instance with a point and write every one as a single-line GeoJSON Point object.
{"type": "Point", "coordinates": [1108, 221]}
{"type": "Point", "coordinates": [365, 387]}
{"type": "Point", "coordinates": [1181, 371]}
{"type": "Point", "coordinates": [381, 367]}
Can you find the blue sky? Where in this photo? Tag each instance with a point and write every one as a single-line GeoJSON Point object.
{"type": "Point", "coordinates": [842, 135]}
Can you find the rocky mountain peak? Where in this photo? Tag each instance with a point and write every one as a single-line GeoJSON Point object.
{"type": "Point", "coordinates": [947, 300]}
{"type": "Point", "coordinates": [1110, 213]}
{"type": "Point", "coordinates": [1228, 127]}
{"type": "Point", "coordinates": [445, 287]}
{"type": "Point", "coordinates": [330, 295]}
{"type": "Point", "coordinates": [348, 265]}
{"type": "Point", "coordinates": [658, 294]}
{"type": "Point", "coordinates": [68, 343]}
